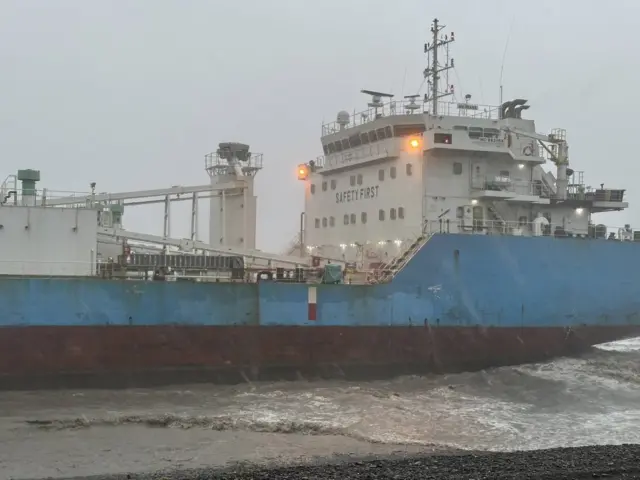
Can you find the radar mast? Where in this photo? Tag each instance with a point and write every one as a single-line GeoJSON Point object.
{"type": "Point", "coordinates": [432, 72]}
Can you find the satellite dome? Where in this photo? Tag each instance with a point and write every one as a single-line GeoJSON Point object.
{"type": "Point", "coordinates": [343, 118]}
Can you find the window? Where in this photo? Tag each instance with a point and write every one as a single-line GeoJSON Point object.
{"type": "Point", "coordinates": [324, 222]}
{"type": "Point", "coordinates": [363, 217]}
{"type": "Point", "coordinates": [364, 138]}
{"type": "Point", "coordinates": [372, 136]}
{"type": "Point", "coordinates": [332, 148]}
{"type": "Point", "coordinates": [359, 179]}
{"type": "Point", "coordinates": [381, 214]}
{"type": "Point", "coordinates": [442, 138]}
{"type": "Point", "coordinates": [313, 188]}
{"type": "Point", "coordinates": [352, 180]}
{"type": "Point", "coordinates": [324, 186]}
{"type": "Point", "coordinates": [409, 169]}
{"type": "Point", "coordinates": [505, 173]}
{"type": "Point", "coordinates": [459, 212]}
{"type": "Point", "coordinates": [346, 219]}
{"type": "Point", "coordinates": [354, 140]}
{"type": "Point", "coordinates": [457, 168]}
{"type": "Point", "coordinates": [332, 221]}
{"type": "Point", "coordinates": [338, 146]}
{"type": "Point", "coordinates": [388, 132]}
{"type": "Point", "coordinates": [392, 172]}
{"type": "Point", "coordinates": [408, 130]}
{"type": "Point", "coordinates": [325, 149]}
{"type": "Point", "coordinates": [333, 184]}
{"type": "Point", "coordinates": [392, 214]}
{"type": "Point", "coordinates": [345, 144]}
{"type": "Point", "coordinates": [381, 175]}
{"type": "Point", "coordinates": [380, 133]}
{"type": "Point", "coordinates": [353, 219]}
{"type": "Point", "coordinates": [400, 212]}
{"type": "Point", "coordinates": [317, 222]}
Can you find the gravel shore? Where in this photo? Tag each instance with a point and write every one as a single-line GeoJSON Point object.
{"type": "Point", "coordinates": [610, 462]}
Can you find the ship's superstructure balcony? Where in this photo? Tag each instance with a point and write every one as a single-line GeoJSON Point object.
{"type": "Point", "coordinates": [410, 107]}
{"type": "Point", "coordinates": [502, 187]}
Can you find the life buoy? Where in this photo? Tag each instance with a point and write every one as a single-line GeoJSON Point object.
{"type": "Point", "coordinates": [527, 151]}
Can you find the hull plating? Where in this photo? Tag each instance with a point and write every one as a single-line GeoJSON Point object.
{"type": "Point", "coordinates": [462, 302]}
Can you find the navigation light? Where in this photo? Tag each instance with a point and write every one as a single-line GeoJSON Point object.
{"type": "Point", "coordinates": [303, 171]}
{"type": "Point", "coordinates": [414, 143]}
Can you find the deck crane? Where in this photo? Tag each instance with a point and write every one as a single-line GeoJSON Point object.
{"type": "Point", "coordinates": [558, 151]}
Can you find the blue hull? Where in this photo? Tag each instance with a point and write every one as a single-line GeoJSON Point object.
{"type": "Point", "coordinates": [490, 299]}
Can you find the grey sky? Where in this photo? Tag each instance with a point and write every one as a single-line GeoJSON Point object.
{"type": "Point", "coordinates": [132, 94]}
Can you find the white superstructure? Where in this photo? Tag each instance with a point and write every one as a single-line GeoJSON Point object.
{"type": "Point", "coordinates": [401, 170]}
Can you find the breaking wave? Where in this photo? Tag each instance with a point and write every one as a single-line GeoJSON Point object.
{"type": "Point", "coordinates": [568, 402]}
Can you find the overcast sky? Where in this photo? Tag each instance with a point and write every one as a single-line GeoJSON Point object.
{"type": "Point", "coordinates": [133, 94]}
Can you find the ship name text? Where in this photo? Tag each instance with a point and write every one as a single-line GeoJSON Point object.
{"type": "Point", "coordinates": [357, 194]}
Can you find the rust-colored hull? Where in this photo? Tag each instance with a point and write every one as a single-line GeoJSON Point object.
{"type": "Point", "coordinates": [123, 356]}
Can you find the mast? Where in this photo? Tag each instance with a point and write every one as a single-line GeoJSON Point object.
{"type": "Point", "coordinates": [432, 72]}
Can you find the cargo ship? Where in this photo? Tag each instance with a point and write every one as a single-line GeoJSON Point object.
{"type": "Point", "coordinates": [434, 238]}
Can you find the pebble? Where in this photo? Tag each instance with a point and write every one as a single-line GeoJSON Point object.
{"type": "Point", "coordinates": [597, 462]}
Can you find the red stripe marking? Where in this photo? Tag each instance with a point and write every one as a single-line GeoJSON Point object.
{"type": "Point", "coordinates": [312, 311]}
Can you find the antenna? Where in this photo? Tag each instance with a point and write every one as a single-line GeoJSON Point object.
{"type": "Point", "coordinates": [376, 100]}
{"type": "Point", "coordinates": [432, 72]}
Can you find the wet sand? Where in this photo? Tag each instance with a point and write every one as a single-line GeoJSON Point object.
{"type": "Point", "coordinates": [137, 449]}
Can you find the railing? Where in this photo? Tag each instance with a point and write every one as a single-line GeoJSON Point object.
{"type": "Point", "coordinates": [529, 229]}
{"type": "Point", "coordinates": [497, 183]}
{"type": "Point", "coordinates": [355, 155]}
{"type": "Point", "coordinates": [408, 107]}
{"type": "Point", "coordinates": [40, 198]}
{"type": "Point", "coordinates": [214, 162]}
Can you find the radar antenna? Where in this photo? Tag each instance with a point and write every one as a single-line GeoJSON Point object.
{"type": "Point", "coordinates": [433, 71]}
{"type": "Point", "coordinates": [376, 100]}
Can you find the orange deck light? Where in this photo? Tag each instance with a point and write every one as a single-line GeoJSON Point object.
{"type": "Point", "coordinates": [414, 142]}
{"type": "Point", "coordinates": [303, 171]}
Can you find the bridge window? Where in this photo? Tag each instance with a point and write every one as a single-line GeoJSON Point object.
{"type": "Point", "coordinates": [363, 217]}
{"type": "Point", "coordinates": [332, 148]}
{"type": "Point", "coordinates": [491, 133]}
{"type": "Point", "coordinates": [400, 212]}
{"type": "Point", "coordinates": [326, 149]}
{"type": "Point", "coordinates": [313, 188]}
{"type": "Point", "coordinates": [381, 215]}
{"type": "Point", "coordinates": [364, 138]}
{"type": "Point", "coordinates": [317, 223]}
{"type": "Point", "coordinates": [359, 179]}
{"type": "Point", "coordinates": [346, 219]}
{"type": "Point", "coordinates": [353, 219]}
{"type": "Point", "coordinates": [457, 168]}
{"type": "Point", "coordinates": [475, 133]}
{"type": "Point", "coordinates": [408, 130]}
{"type": "Point", "coordinates": [338, 146]}
{"type": "Point", "coordinates": [324, 186]}
{"type": "Point", "coordinates": [459, 212]}
{"type": "Point", "coordinates": [333, 184]}
{"type": "Point", "coordinates": [392, 214]}
{"type": "Point", "coordinates": [381, 174]}
{"type": "Point", "coordinates": [345, 144]}
{"type": "Point", "coordinates": [392, 172]}
{"type": "Point", "coordinates": [324, 222]}
{"type": "Point", "coordinates": [332, 221]}
{"type": "Point", "coordinates": [354, 141]}
{"type": "Point", "coordinates": [372, 136]}
{"type": "Point", "coordinates": [380, 133]}
{"type": "Point", "coordinates": [409, 169]}
{"type": "Point", "coordinates": [352, 180]}
{"type": "Point", "coordinates": [388, 132]}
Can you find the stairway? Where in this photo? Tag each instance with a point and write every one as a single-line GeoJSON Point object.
{"type": "Point", "coordinates": [496, 218]}
{"type": "Point", "coordinates": [390, 269]}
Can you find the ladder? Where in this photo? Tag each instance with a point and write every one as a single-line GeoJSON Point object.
{"type": "Point", "coordinates": [389, 270]}
{"type": "Point", "coordinates": [495, 215]}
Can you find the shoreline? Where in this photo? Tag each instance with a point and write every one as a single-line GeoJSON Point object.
{"type": "Point", "coordinates": [577, 463]}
